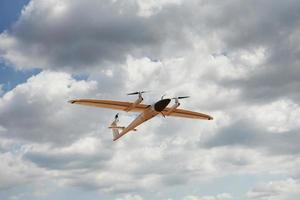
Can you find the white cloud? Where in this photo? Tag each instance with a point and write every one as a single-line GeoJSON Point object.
{"type": "Point", "coordinates": [14, 171]}
{"type": "Point", "coordinates": [151, 160]}
{"type": "Point", "coordinates": [239, 66]}
{"type": "Point", "coordinates": [278, 116]}
{"type": "Point", "coordinates": [38, 109]}
{"type": "Point", "coordinates": [62, 39]}
{"type": "Point", "coordinates": [150, 7]}
{"type": "Point", "coordinates": [131, 197]}
{"type": "Point", "coordinates": [276, 190]}
{"type": "Point", "coordinates": [223, 196]}
{"type": "Point", "coordinates": [1, 90]}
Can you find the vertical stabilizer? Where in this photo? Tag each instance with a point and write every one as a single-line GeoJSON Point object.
{"type": "Point", "coordinates": [114, 127]}
{"type": "Point", "coordinates": [115, 132]}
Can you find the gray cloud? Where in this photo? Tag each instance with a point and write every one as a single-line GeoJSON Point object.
{"type": "Point", "coordinates": [273, 26]}
{"type": "Point", "coordinates": [38, 109]}
{"type": "Point", "coordinates": [15, 171]}
{"type": "Point", "coordinates": [230, 56]}
{"type": "Point", "coordinates": [245, 133]}
{"type": "Point", "coordinates": [223, 196]}
{"type": "Point", "coordinates": [283, 189]}
{"type": "Point", "coordinates": [57, 159]}
{"type": "Point", "coordinates": [104, 36]}
{"type": "Point", "coordinates": [105, 32]}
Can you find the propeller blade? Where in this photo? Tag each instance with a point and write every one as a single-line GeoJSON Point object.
{"type": "Point", "coordinates": [145, 91]}
{"type": "Point", "coordinates": [133, 93]}
{"type": "Point", "coordinates": [183, 97]}
{"type": "Point", "coordinates": [140, 92]}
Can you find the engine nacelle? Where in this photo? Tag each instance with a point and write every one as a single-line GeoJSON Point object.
{"type": "Point", "coordinates": [161, 105]}
{"type": "Point", "coordinates": [138, 101]}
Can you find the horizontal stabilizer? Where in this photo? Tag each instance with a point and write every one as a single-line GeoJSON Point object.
{"type": "Point", "coordinates": [119, 127]}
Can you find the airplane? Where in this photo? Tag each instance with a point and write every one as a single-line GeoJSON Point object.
{"type": "Point", "coordinates": [146, 111]}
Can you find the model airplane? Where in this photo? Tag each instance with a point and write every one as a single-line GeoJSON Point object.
{"type": "Point", "coordinates": [147, 111]}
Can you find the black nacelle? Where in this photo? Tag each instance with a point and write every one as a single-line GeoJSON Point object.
{"type": "Point", "coordinates": [161, 105]}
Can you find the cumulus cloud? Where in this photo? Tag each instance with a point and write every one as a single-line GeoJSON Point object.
{"type": "Point", "coordinates": [131, 197]}
{"type": "Point", "coordinates": [51, 35]}
{"type": "Point", "coordinates": [55, 36]}
{"type": "Point", "coordinates": [84, 153]}
{"type": "Point", "coordinates": [223, 196]}
{"type": "Point", "coordinates": [238, 61]}
{"type": "Point", "coordinates": [1, 89]}
{"type": "Point", "coordinates": [15, 171]}
{"type": "Point", "coordinates": [38, 109]}
{"type": "Point", "coordinates": [283, 190]}
{"type": "Point", "coordinates": [57, 139]}
{"type": "Point", "coordinates": [255, 26]}
{"type": "Point", "coordinates": [272, 128]}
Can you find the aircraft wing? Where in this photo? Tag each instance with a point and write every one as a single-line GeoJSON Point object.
{"type": "Point", "coordinates": [187, 114]}
{"type": "Point", "coordinates": [116, 105]}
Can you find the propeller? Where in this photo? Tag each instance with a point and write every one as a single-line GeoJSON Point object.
{"type": "Point", "coordinates": [182, 97]}
{"type": "Point", "coordinates": [139, 92]}
{"type": "Point", "coordinates": [177, 98]}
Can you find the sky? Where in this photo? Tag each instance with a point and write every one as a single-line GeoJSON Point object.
{"type": "Point", "coordinates": [238, 60]}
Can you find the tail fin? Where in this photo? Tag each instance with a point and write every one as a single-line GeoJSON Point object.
{"type": "Point", "coordinates": [115, 133]}
{"type": "Point", "coordinates": [115, 129]}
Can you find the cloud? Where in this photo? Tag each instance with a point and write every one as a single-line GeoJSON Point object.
{"type": "Point", "coordinates": [272, 129]}
{"type": "Point", "coordinates": [255, 66]}
{"type": "Point", "coordinates": [223, 196]}
{"type": "Point", "coordinates": [106, 32]}
{"type": "Point", "coordinates": [15, 171]}
{"type": "Point", "coordinates": [51, 35]}
{"type": "Point", "coordinates": [131, 197]}
{"type": "Point", "coordinates": [38, 110]}
{"type": "Point", "coordinates": [255, 26]}
{"type": "Point", "coordinates": [238, 61]}
{"type": "Point", "coordinates": [85, 153]}
{"type": "Point", "coordinates": [283, 190]}
{"type": "Point", "coordinates": [89, 159]}
{"type": "Point", "coordinates": [1, 89]}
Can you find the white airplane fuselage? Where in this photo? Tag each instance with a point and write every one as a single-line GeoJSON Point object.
{"type": "Point", "coordinates": [149, 113]}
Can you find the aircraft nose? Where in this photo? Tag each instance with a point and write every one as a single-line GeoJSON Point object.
{"type": "Point", "coordinates": [161, 105]}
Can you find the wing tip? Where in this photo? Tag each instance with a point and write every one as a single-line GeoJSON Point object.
{"type": "Point", "coordinates": [72, 101]}
{"type": "Point", "coordinates": [210, 118]}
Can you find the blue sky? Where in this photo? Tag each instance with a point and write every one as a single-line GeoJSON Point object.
{"type": "Point", "coordinates": [10, 12]}
{"type": "Point", "coordinates": [61, 50]}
